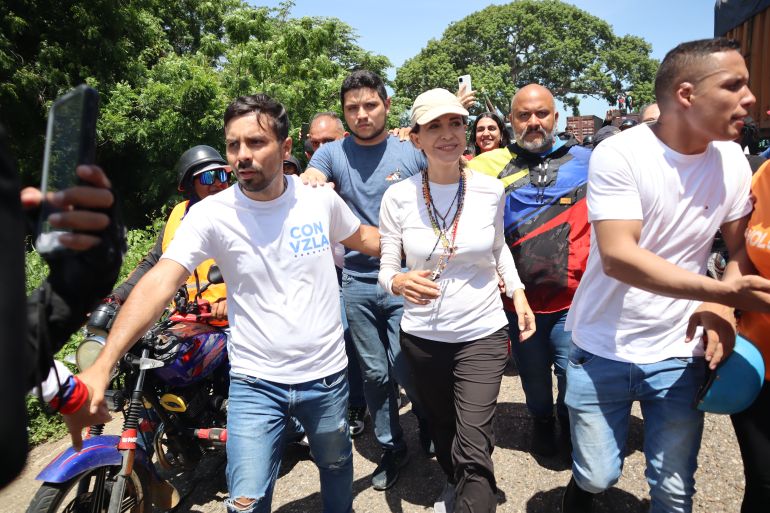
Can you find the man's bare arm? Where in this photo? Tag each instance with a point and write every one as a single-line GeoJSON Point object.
{"type": "Point", "coordinates": [624, 260]}
{"type": "Point", "coordinates": [718, 321]}
{"type": "Point", "coordinates": [738, 264]}
{"type": "Point", "coordinates": [365, 240]}
{"type": "Point", "coordinates": [143, 307]}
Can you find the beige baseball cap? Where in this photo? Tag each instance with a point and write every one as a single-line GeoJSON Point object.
{"type": "Point", "coordinates": [435, 103]}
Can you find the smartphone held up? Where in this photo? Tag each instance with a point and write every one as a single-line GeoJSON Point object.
{"type": "Point", "coordinates": [464, 84]}
{"type": "Point", "coordinates": [70, 141]}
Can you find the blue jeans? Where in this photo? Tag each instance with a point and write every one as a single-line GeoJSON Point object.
{"type": "Point", "coordinates": [549, 346]}
{"type": "Point", "coordinates": [599, 397]}
{"type": "Point", "coordinates": [259, 418]}
{"type": "Point", "coordinates": [374, 317]}
{"type": "Point", "coordinates": [355, 380]}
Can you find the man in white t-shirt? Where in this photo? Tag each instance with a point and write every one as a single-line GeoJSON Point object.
{"type": "Point", "coordinates": [272, 240]}
{"type": "Point", "coordinates": [645, 320]}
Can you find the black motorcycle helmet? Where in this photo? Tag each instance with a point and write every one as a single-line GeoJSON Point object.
{"type": "Point", "coordinates": [628, 123]}
{"type": "Point", "coordinates": [193, 159]}
{"type": "Point", "coordinates": [588, 140]}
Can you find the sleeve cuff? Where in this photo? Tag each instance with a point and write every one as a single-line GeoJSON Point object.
{"type": "Point", "coordinates": [385, 280]}
{"type": "Point", "coordinates": [512, 283]}
{"type": "Point", "coordinates": [50, 387]}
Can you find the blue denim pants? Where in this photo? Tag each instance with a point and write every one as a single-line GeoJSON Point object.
{"type": "Point", "coordinates": [374, 319]}
{"type": "Point", "coordinates": [599, 397]}
{"type": "Point", "coordinates": [355, 380]}
{"type": "Point", "coordinates": [548, 347]}
{"type": "Point", "coordinates": [259, 418]}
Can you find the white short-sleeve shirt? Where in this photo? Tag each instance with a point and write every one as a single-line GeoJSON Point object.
{"type": "Point", "coordinates": [682, 200]}
{"type": "Point", "coordinates": [282, 292]}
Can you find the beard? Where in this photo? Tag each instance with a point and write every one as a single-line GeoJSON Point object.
{"type": "Point", "coordinates": [534, 146]}
{"type": "Point", "coordinates": [259, 181]}
{"type": "Point", "coordinates": [377, 131]}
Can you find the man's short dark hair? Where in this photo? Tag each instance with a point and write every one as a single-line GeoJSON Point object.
{"type": "Point", "coordinates": [682, 63]}
{"type": "Point", "coordinates": [263, 106]}
{"type": "Point", "coordinates": [363, 78]}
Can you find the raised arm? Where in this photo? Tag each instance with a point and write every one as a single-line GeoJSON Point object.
{"type": "Point", "coordinates": [77, 281]}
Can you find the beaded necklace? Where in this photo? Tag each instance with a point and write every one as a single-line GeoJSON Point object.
{"type": "Point", "coordinates": [441, 229]}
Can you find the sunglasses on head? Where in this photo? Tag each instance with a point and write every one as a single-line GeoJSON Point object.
{"type": "Point", "coordinates": [208, 177]}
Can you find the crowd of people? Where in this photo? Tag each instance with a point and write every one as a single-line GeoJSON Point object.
{"type": "Point", "coordinates": [583, 262]}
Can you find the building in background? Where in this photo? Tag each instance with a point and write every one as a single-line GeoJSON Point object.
{"type": "Point", "coordinates": [618, 116]}
{"type": "Point", "coordinates": [583, 126]}
{"type": "Point", "coordinates": [749, 23]}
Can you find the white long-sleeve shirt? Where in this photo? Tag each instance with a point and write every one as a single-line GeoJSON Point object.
{"type": "Point", "coordinates": [469, 306]}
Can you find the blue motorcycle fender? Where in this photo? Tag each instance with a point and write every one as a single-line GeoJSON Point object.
{"type": "Point", "coordinates": [98, 451]}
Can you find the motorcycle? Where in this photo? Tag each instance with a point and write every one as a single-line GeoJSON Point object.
{"type": "Point", "coordinates": [172, 389]}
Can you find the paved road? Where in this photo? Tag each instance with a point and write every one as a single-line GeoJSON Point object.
{"type": "Point", "coordinates": [527, 484]}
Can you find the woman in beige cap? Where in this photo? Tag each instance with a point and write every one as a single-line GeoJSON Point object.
{"type": "Point", "coordinates": [448, 221]}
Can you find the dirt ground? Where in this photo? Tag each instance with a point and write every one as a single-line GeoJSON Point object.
{"type": "Point", "coordinates": [526, 483]}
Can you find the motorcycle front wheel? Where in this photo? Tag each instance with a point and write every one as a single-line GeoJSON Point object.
{"type": "Point", "coordinates": [90, 493]}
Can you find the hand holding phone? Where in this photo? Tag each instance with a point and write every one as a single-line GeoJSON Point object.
{"type": "Point", "coordinates": [465, 92]}
{"type": "Point", "coordinates": [78, 210]}
{"type": "Point", "coordinates": [70, 142]}
{"type": "Point", "coordinates": [464, 84]}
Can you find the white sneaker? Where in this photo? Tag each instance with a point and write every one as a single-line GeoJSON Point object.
{"type": "Point", "coordinates": [446, 501]}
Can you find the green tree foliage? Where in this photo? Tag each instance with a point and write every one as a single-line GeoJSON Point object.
{"type": "Point", "coordinates": [48, 46]}
{"type": "Point", "coordinates": [165, 72]}
{"type": "Point", "coordinates": [549, 42]}
{"type": "Point", "coordinates": [300, 61]}
{"type": "Point", "coordinates": [42, 426]}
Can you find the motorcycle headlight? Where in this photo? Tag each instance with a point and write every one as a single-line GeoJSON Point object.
{"type": "Point", "coordinates": [88, 351]}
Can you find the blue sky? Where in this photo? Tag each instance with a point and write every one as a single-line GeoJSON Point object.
{"type": "Point", "coordinates": [399, 29]}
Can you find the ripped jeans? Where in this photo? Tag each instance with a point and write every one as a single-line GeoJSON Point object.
{"type": "Point", "coordinates": [259, 413]}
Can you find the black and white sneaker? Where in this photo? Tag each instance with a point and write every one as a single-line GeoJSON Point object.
{"type": "Point", "coordinates": [357, 420]}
